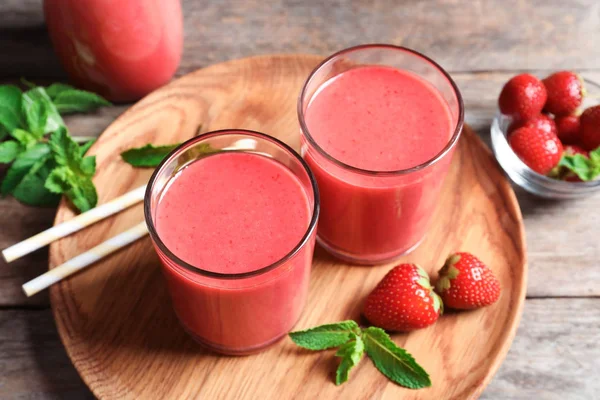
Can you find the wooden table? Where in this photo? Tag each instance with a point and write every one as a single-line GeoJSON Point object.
{"type": "Point", "coordinates": [482, 43]}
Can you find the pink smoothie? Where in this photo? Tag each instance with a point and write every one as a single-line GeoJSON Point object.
{"type": "Point", "coordinates": [377, 118]}
{"type": "Point", "coordinates": [234, 213]}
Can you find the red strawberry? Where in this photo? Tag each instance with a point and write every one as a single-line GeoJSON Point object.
{"type": "Point", "coordinates": [404, 300]}
{"type": "Point", "coordinates": [590, 128]}
{"type": "Point", "coordinates": [522, 97]}
{"type": "Point", "coordinates": [465, 283]}
{"type": "Point", "coordinates": [540, 150]}
{"type": "Point", "coordinates": [565, 92]}
{"type": "Point", "coordinates": [568, 128]}
{"type": "Point", "coordinates": [540, 121]}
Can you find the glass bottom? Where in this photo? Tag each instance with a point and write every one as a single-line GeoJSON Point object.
{"type": "Point", "coordinates": [216, 348]}
{"type": "Point", "coordinates": [367, 260]}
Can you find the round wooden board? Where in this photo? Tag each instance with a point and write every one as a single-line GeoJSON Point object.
{"type": "Point", "coordinates": [115, 318]}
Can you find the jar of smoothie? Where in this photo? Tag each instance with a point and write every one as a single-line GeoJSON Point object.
{"type": "Point", "coordinates": [379, 125]}
{"type": "Point", "coordinates": [232, 215]}
{"type": "Point", "coordinates": [121, 49]}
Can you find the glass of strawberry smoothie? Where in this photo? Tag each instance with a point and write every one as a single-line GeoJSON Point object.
{"type": "Point", "coordinates": [232, 215]}
{"type": "Point", "coordinates": [379, 126]}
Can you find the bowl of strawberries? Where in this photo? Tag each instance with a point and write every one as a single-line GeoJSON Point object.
{"type": "Point", "coordinates": [546, 135]}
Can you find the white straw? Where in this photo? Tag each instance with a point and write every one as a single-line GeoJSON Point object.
{"type": "Point", "coordinates": [73, 225]}
{"type": "Point", "coordinates": [83, 260]}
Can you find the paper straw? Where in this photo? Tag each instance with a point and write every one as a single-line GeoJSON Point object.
{"type": "Point", "coordinates": [73, 225]}
{"type": "Point", "coordinates": [83, 260]}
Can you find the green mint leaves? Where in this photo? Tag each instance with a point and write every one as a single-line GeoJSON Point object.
{"type": "Point", "coordinates": [44, 160]}
{"type": "Point", "coordinates": [326, 336]}
{"type": "Point", "coordinates": [392, 361]}
{"type": "Point", "coordinates": [68, 100]}
{"type": "Point", "coordinates": [586, 169]}
{"type": "Point", "coordinates": [351, 353]}
{"type": "Point", "coordinates": [148, 155]}
{"type": "Point", "coordinates": [73, 176]}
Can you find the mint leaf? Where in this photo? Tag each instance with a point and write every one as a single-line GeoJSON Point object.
{"type": "Point", "coordinates": [25, 138]}
{"type": "Point", "coordinates": [595, 156]}
{"type": "Point", "coordinates": [36, 115]}
{"type": "Point", "coordinates": [83, 148]}
{"type": "Point", "coordinates": [73, 176]}
{"type": "Point", "coordinates": [326, 336]}
{"type": "Point", "coordinates": [351, 354]}
{"type": "Point", "coordinates": [37, 99]}
{"type": "Point", "coordinates": [147, 156]}
{"type": "Point", "coordinates": [57, 88]}
{"type": "Point", "coordinates": [394, 362]}
{"type": "Point", "coordinates": [74, 100]}
{"type": "Point", "coordinates": [31, 189]}
{"type": "Point", "coordinates": [21, 166]}
{"type": "Point", "coordinates": [9, 150]}
{"type": "Point", "coordinates": [79, 189]}
{"type": "Point", "coordinates": [3, 132]}
{"type": "Point", "coordinates": [10, 107]}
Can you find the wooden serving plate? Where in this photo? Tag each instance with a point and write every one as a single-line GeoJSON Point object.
{"type": "Point", "coordinates": [115, 319]}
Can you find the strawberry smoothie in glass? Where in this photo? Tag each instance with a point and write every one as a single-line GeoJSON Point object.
{"type": "Point", "coordinates": [232, 215]}
{"type": "Point", "coordinates": [379, 126]}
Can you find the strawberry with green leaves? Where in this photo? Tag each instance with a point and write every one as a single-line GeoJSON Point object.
{"type": "Point", "coordinates": [403, 301]}
{"type": "Point", "coordinates": [579, 165]}
{"type": "Point", "coordinates": [465, 283]}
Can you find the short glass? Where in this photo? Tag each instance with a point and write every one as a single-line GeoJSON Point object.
{"type": "Point", "coordinates": [371, 217]}
{"type": "Point", "coordinates": [245, 312]}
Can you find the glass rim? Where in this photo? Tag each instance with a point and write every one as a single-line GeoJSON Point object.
{"type": "Point", "coordinates": [451, 143]}
{"type": "Point", "coordinates": [223, 132]}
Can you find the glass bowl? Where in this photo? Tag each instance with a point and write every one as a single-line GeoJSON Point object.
{"type": "Point", "coordinates": [527, 178]}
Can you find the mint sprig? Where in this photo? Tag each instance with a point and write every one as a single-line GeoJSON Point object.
{"type": "Point", "coordinates": [585, 168]}
{"type": "Point", "coordinates": [148, 155]}
{"type": "Point", "coordinates": [351, 353]}
{"type": "Point", "coordinates": [44, 160]}
{"type": "Point", "coordinates": [392, 361]}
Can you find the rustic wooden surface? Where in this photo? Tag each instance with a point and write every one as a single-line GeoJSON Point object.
{"type": "Point", "coordinates": [555, 353]}
{"type": "Point", "coordinates": [484, 218]}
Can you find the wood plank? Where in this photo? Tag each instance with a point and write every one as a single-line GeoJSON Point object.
{"type": "Point", "coordinates": [33, 362]}
{"type": "Point", "coordinates": [554, 356]}
{"type": "Point", "coordinates": [471, 35]}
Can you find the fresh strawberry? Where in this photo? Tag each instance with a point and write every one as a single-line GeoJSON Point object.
{"type": "Point", "coordinates": [404, 300]}
{"type": "Point", "coordinates": [465, 283]}
{"type": "Point", "coordinates": [568, 128]}
{"type": "Point", "coordinates": [590, 128]}
{"type": "Point", "coordinates": [540, 150]}
{"type": "Point", "coordinates": [540, 121]}
{"type": "Point", "coordinates": [522, 97]}
{"type": "Point", "coordinates": [565, 92]}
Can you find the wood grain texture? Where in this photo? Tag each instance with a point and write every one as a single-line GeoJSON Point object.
{"type": "Point", "coordinates": [143, 340]}
{"type": "Point", "coordinates": [463, 35]}
{"type": "Point", "coordinates": [33, 363]}
{"type": "Point", "coordinates": [553, 357]}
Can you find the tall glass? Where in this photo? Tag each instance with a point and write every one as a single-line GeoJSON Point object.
{"type": "Point", "coordinates": [368, 216]}
{"type": "Point", "coordinates": [236, 313]}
